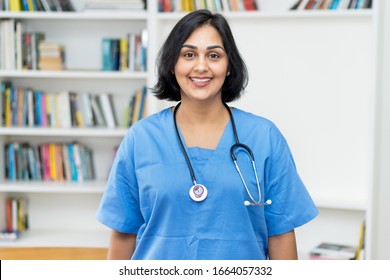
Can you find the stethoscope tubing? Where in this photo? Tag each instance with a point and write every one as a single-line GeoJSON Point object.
{"type": "Point", "coordinates": [232, 154]}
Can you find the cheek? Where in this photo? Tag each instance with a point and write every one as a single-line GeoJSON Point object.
{"type": "Point", "coordinates": [182, 68]}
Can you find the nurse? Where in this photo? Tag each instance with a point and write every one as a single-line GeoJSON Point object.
{"type": "Point", "coordinates": [202, 180]}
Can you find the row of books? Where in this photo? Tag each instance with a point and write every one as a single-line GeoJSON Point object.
{"type": "Point", "coordinates": [25, 107]}
{"type": "Point", "coordinates": [213, 5]}
{"type": "Point", "coordinates": [37, 5]}
{"type": "Point", "coordinates": [136, 108]}
{"type": "Point", "coordinates": [18, 50]}
{"type": "Point", "coordinates": [331, 4]}
{"type": "Point", "coordinates": [48, 162]}
{"type": "Point", "coordinates": [128, 53]}
{"type": "Point", "coordinates": [336, 251]}
{"type": "Point", "coordinates": [16, 217]}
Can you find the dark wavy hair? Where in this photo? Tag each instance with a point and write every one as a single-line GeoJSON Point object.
{"type": "Point", "coordinates": [167, 87]}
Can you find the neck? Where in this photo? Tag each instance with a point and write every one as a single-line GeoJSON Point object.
{"type": "Point", "coordinates": [201, 114]}
{"type": "Point", "coordinates": [202, 126]}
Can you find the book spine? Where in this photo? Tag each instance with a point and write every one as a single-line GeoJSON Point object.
{"type": "Point", "coordinates": [107, 109]}
{"type": "Point", "coordinates": [106, 52]}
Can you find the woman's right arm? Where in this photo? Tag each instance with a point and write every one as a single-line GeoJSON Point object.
{"type": "Point", "coordinates": [122, 246]}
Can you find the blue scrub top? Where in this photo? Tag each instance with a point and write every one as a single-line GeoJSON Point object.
{"type": "Point", "coordinates": [147, 192]}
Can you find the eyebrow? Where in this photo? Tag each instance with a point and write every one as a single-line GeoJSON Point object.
{"type": "Point", "coordinates": [208, 48]}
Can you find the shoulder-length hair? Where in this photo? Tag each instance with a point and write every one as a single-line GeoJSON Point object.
{"type": "Point", "coordinates": [167, 87]}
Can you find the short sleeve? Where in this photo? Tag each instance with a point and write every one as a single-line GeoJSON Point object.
{"type": "Point", "coordinates": [119, 208]}
{"type": "Point", "coordinates": [291, 205]}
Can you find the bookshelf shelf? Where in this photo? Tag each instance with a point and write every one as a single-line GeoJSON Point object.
{"type": "Point", "coordinates": [71, 132]}
{"type": "Point", "coordinates": [84, 16]}
{"type": "Point", "coordinates": [87, 187]}
{"type": "Point", "coordinates": [325, 201]}
{"type": "Point", "coordinates": [74, 74]}
{"type": "Point", "coordinates": [275, 15]}
{"type": "Point", "coordinates": [60, 238]}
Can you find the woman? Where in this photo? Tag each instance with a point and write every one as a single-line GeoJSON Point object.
{"type": "Point", "coordinates": [174, 191]}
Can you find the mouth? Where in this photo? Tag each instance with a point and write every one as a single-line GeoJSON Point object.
{"type": "Point", "coordinates": [200, 81]}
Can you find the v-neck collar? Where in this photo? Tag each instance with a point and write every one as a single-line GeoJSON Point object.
{"type": "Point", "coordinates": [227, 133]}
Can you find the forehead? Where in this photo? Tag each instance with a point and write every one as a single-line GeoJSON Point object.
{"type": "Point", "coordinates": [205, 35]}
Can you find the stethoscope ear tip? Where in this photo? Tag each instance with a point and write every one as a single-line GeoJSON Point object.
{"type": "Point", "coordinates": [247, 203]}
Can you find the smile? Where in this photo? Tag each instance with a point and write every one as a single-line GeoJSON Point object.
{"type": "Point", "coordinates": [203, 80]}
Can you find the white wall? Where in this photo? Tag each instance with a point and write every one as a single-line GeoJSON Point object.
{"type": "Point", "coordinates": [379, 229]}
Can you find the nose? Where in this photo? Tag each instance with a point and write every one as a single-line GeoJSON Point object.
{"type": "Point", "coordinates": [201, 64]}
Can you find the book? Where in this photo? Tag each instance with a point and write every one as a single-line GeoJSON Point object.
{"type": "Point", "coordinates": [53, 162]}
{"type": "Point", "coordinates": [45, 161]}
{"type": "Point", "coordinates": [19, 45]}
{"type": "Point", "coordinates": [295, 5]}
{"type": "Point", "coordinates": [106, 54]}
{"type": "Point", "coordinates": [123, 47]}
{"type": "Point", "coordinates": [15, 5]}
{"type": "Point", "coordinates": [86, 109]}
{"type": "Point", "coordinates": [66, 5]}
{"type": "Point", "coordinates": [16, 218]}
{"type": "Point", "coordinates": [115, 54]}
{"type": "Point", "coordinates": [108, 110]}
{"type": "Point", "coordinates": [36, 39]}
{"type": "Point", "coordinates": [75, 108]}
{"type": "Point", "coordinates": [333, 251]}
{"type": "Point", "coordinates": [66, 162]}
{"type": "Point", "coordinates": [360, 248]}
{"type": "Point", "coordinates": [72, 163]}
{"type": "Point", "coordinates": [310, 5]}
{"type": "Point", "coordinates": [9, 235]}
{"type": "Point", "coordinates": [46, 5]}
{"type": "Point", "coordinates": [97, 112]}
{"type": "Point", "coordinates": [334, 5]}
{"type": "Point", "coordinates": [77, 161]}
{"type": "Point", "coordinates": [11, 162]}
{"type": "Point", "coordinates": [63, 110]}
{"type": "Point", "coordinates": [39, 5]}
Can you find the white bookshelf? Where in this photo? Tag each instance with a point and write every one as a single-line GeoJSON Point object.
{"type": "Point", "coordinates": [63, 213]}
{"type": "Point", "coordinates": [311, 72]}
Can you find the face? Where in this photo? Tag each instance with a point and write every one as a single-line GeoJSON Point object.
{"type": "Point", "coordinates": [202, 65]}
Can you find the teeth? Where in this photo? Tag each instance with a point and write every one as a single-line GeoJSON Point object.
{"type": "Point", "coordinates": [200, 80]}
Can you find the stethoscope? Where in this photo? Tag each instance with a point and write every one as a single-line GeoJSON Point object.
{"type": "Point", "coordinates": [198, 192]}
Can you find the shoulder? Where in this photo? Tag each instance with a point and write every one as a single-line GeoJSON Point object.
{"type": "Point", "coordinates": [255, 123]}
{"type": "Point", "coordinates": [152, 123]}
{"type": "Point", "coordinates": [150, 130]}
{"type": "Point", "coordinates": [261, 133]}
{"type": "Point", "coordinates": [152, 120]}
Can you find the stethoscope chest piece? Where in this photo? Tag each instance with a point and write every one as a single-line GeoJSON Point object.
{"type": "Point", "coordinates": [198, 192]}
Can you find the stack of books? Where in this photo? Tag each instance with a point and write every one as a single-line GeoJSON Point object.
{"type": "Point", "coordinates": [51, 56]}
{"type": "Point", "coordinates": [332, 251]}
{"type": "Point", "coordinates": [16, 215]}
{"type": "Point", "coordinates": [337, 251]}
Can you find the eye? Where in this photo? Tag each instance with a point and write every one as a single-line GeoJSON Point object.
{"type": "Point", "coordinates": [214, 56]}
{"type": "Point", "coordinates": [189, 55]}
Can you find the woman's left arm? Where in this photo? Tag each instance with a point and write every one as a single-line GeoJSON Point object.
{"type": "Point", "coordinates": [283, 247]}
